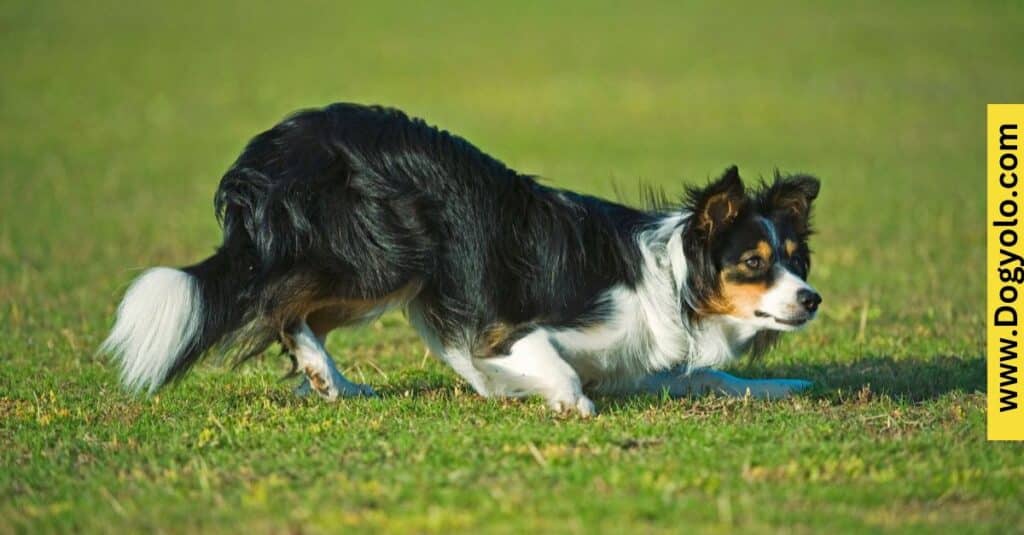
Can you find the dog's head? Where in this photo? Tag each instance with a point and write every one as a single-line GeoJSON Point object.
{"type": "Point", "coordinates": [746, 252]}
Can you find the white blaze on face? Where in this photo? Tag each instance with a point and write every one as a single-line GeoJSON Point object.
{"type": "Point", "coordinates": [780, 306]}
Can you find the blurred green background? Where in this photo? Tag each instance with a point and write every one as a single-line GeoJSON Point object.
{"type": "Point", "coordinates": [117, 120]}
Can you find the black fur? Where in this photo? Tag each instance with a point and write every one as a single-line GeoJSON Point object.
{"type": "Point", "coordinates": [350, 201]}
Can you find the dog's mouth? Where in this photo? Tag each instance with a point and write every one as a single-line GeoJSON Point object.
{"type": "Point", "coordinates": [792, 322]}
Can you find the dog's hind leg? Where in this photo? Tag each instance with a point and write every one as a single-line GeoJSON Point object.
{"type": "Point", "coordinates": [677, 383]}
{"type": "Point", "coordinates": [310, 319]}
{"type": "Point", "coordinates": [533, 366]}
{"type": "Point", "coordinates": [322, 376]}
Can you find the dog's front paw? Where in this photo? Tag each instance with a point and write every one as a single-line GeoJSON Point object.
{"type": "Point", "coordinates": [581, 405]}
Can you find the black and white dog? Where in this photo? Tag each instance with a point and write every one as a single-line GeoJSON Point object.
{"type": "Point", "coordinates": [339, 214]}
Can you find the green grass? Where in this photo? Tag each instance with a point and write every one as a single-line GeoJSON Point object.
{"type": "Point", "coordinates": [116, 121]}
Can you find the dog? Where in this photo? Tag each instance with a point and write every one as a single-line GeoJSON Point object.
{"type": "Point", "coordinates": [337, 215]}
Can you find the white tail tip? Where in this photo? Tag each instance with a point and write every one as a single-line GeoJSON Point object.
{"type": "Point", "coordinates": [160, 315]}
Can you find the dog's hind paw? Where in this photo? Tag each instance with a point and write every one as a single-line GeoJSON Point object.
{"type": "Point", "coordinates": [331, 392]}
{"type": "Point", "coordinates": [304, 389]}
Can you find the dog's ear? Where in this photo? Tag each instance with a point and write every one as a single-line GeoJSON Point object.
{"type": "Point", "coordinates": [790, 198]}
{"type": "Point", "coordinates": [718, 204]}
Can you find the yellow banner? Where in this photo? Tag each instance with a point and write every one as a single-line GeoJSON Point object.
{"type": "Point", "coordinates": [1005, 271]}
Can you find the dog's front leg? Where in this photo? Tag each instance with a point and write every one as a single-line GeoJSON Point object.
{"type": "Point", "coordinates": [677, 383]}
{"type": "Point", "coordinates": [534, 366]}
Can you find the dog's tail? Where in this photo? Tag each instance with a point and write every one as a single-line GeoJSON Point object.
{"type": "Point", "coordinates": [170, 317]}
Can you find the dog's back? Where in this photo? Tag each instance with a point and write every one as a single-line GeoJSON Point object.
{"type": "Point", "coordinates": [337, 214]}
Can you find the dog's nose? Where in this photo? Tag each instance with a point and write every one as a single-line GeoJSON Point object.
{"type": "Point", "coordinates": [809, 299]}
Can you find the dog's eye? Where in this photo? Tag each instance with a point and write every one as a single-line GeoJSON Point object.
{"type": "Point", "coordinates": [755, 263]}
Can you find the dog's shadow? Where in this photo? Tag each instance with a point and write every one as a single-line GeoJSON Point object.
{"type": "Point", "coordinates": [907, 378]}
{"type": "Point", "coordinates": [912, 378]}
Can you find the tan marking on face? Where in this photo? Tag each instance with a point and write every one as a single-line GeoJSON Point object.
{"type": "Point", "coordinates": [765, 250]}
{"type": "Point", "coordinates": [762, 250]}
{"type": "Point", "coordinates": [790, 247]}
{"type": "Point", "coordinates": [736, 298]}
{"type": "Point", "coordinates": [743, 298]}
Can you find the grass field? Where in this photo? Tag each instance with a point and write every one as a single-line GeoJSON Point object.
{"type": "Point", "coordinates": [117, 119]}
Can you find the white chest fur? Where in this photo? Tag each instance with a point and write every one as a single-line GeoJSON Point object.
{"type": "Point", "coordinates": [647, 330]}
